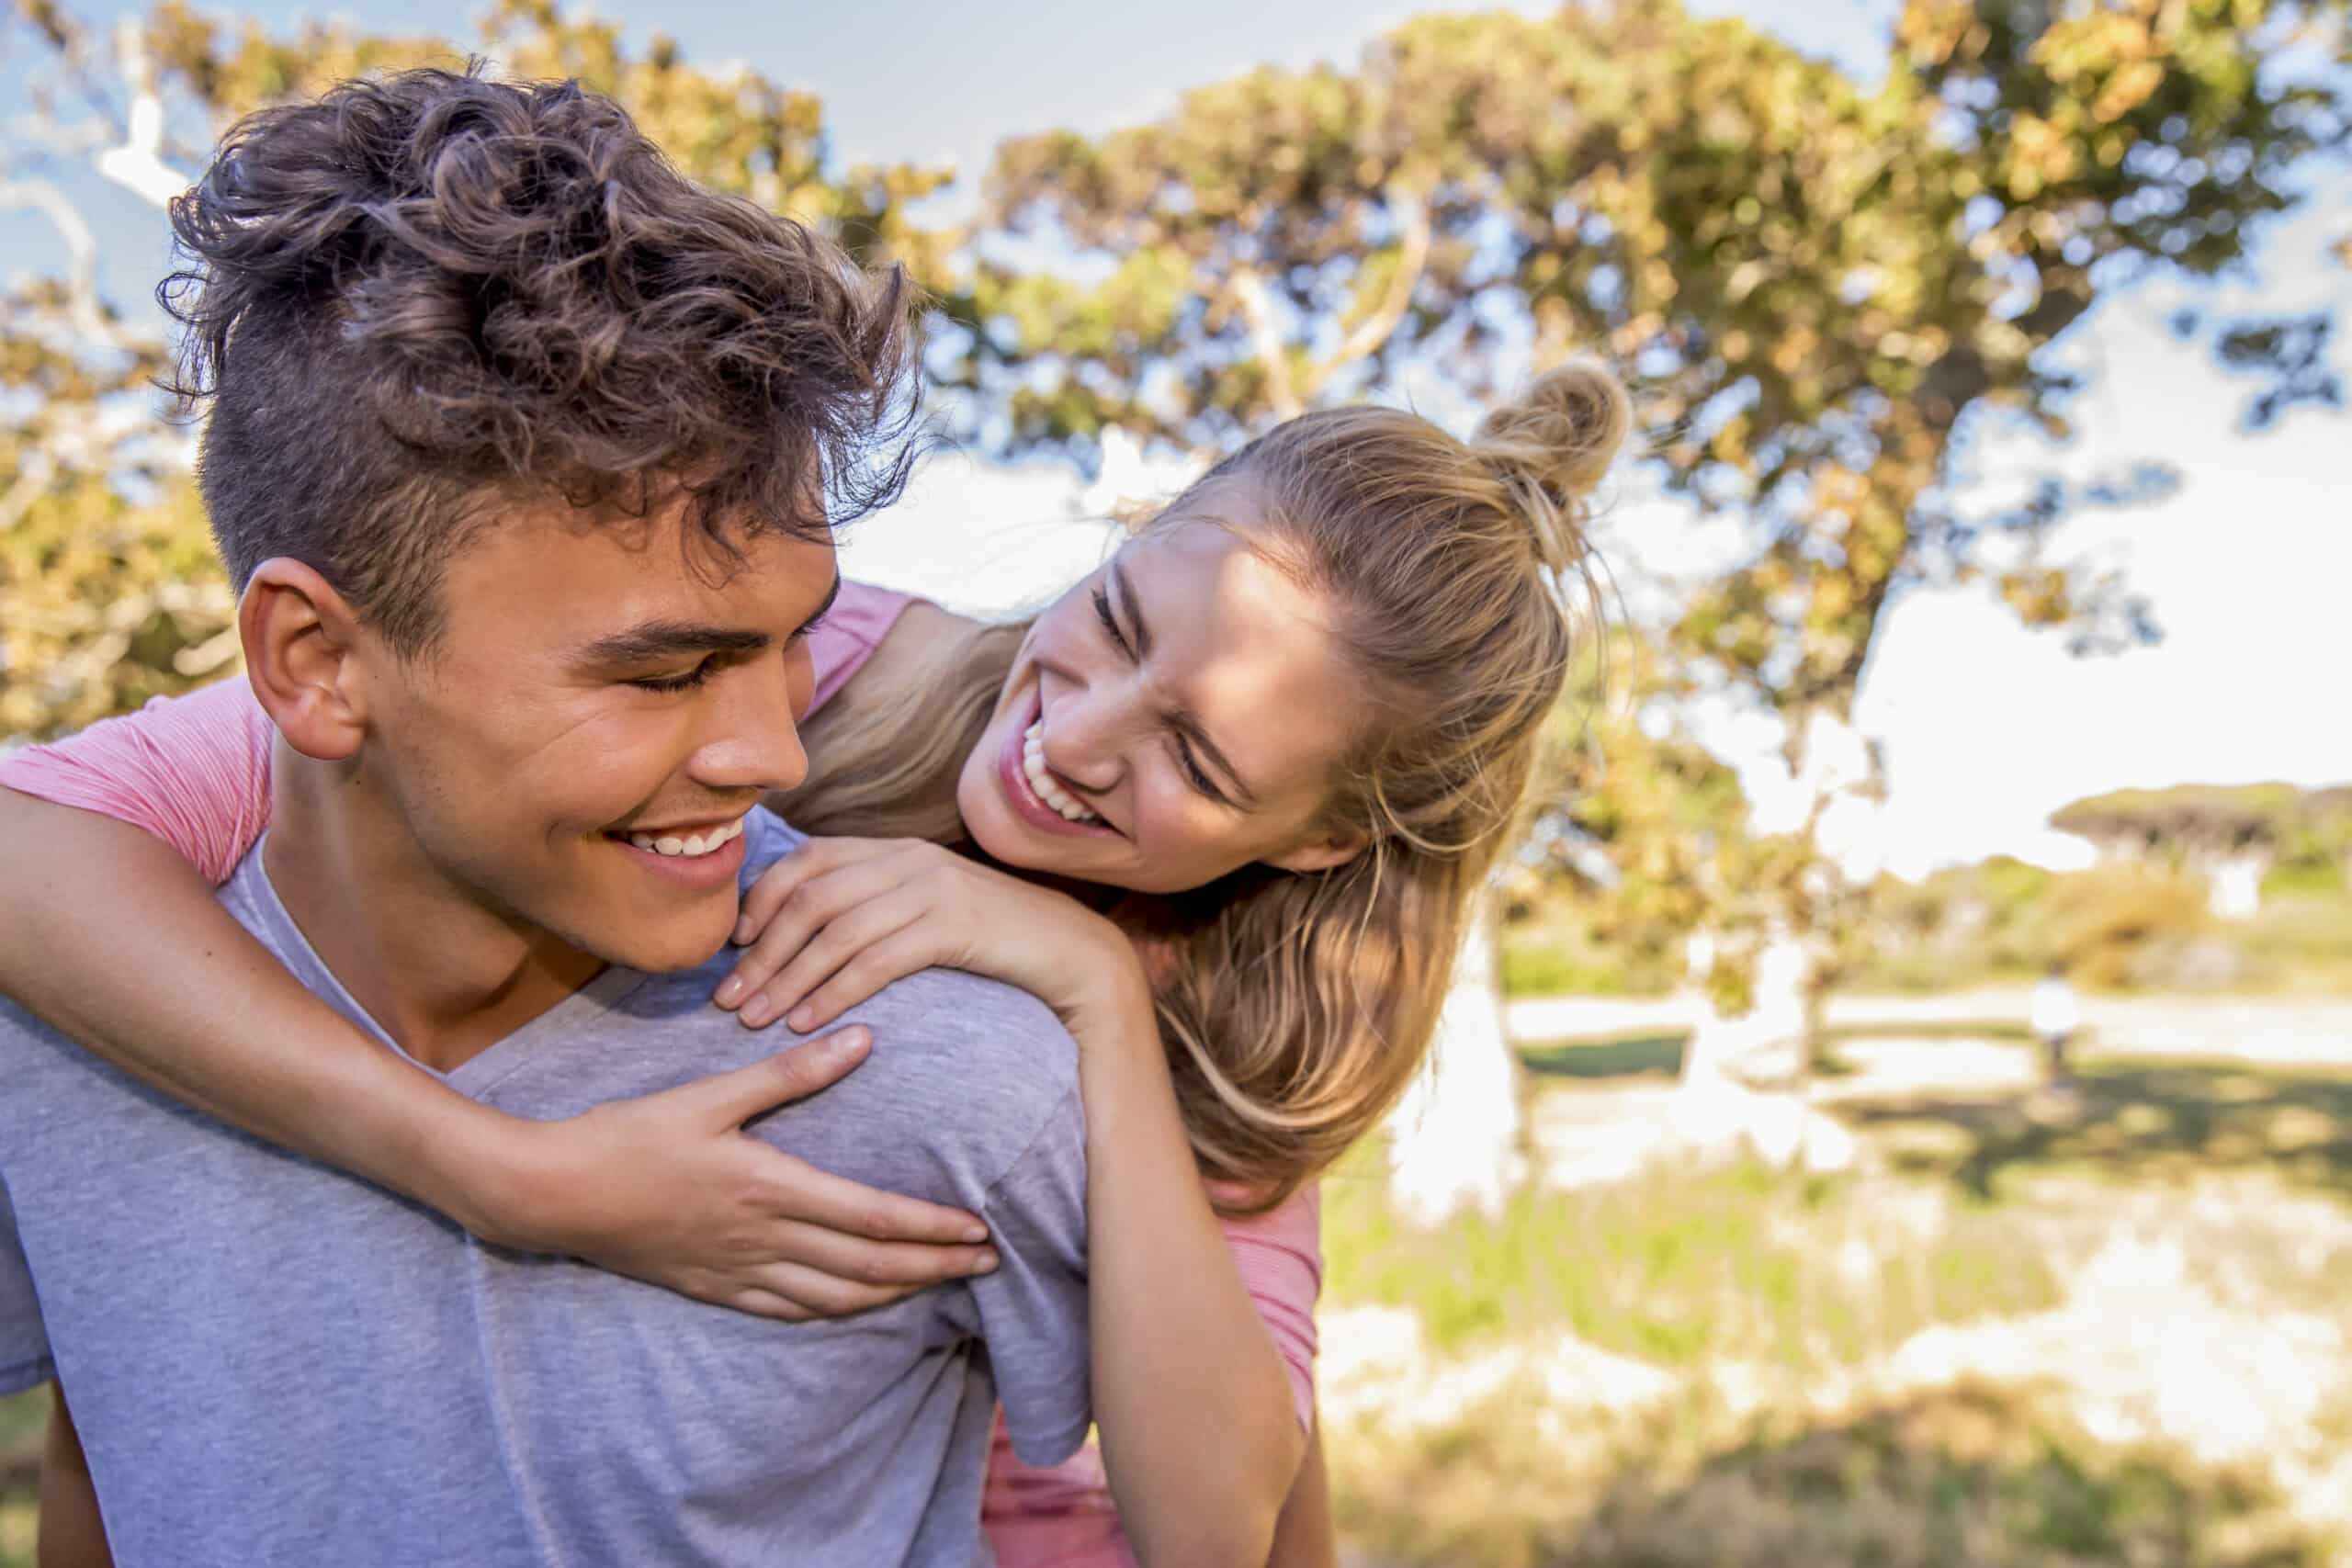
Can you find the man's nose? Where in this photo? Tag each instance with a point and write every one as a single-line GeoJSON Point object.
{"type": "Point", "coordinates": [753, 739]}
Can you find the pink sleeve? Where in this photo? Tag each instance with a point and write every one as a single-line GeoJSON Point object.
{"type": "Point", "coordinates": [192, 771]}
{"type": "Point", "coordinates": [860, 617]}
{"type": "Point", "coordinates": [1281, 1256]}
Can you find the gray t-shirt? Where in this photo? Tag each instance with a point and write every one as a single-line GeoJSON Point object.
{"type": "Point", "coordinates": [271, 1362]}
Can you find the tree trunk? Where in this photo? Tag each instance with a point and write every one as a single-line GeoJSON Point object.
{"type": "Point", "coordinates": [1742, 1089]}
{"type": "Point", "coordinates": [1743, 1079]}
{"type": "Point", "coordinates": [2236, 883]}
{"type": "Point", "coordinates": [1455, 1140]}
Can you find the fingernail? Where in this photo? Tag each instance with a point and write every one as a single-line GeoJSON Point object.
{"type": "Point", "coordinates": [848, 1042]}
{"type": "Point", "coordinates": [730, 991]}
{"type": "Point", "coordinates": [742, 933]}
{"type": "Point", "coordinates": [977, 1233]}
{"type": "Point", "coordinates": [802, 1017]}
{"type": "Point", "coordinates": [987, 1263]}
{"type": "Point", "coordinates": [756, 1012]}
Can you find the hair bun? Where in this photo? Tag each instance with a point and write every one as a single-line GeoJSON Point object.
{"type": "Point", "coordinates": [1555, 442]}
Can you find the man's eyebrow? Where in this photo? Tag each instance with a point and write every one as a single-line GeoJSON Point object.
{"type": "Point", "coordinates": [650, 640]}
{"type": "Point", "coordinates": [1180, 718]}
{"type": "Point", "coordinates": [833, 595]}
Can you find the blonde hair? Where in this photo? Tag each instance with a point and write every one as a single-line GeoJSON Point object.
{"type": "Point", "coordinates": [1296, 1007]}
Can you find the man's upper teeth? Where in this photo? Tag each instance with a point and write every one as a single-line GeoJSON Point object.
{"type": "Point", "coordinates": [693, 844]}
{"type": "Point", "coordinates": [1033, 764]}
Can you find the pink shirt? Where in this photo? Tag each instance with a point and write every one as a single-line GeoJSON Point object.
{"type": "Point", "coordinates": [194, 770]}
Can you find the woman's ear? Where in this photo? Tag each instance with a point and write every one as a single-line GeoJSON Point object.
{"type": "Point", "coordinates": [301, 645]}
{"type": "Point", "coordinates": [1321, 853]}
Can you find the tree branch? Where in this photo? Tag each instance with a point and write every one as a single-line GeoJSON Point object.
{"type": "Point", "coordinates": [1266, 342]}
{"type": "Point", "coordinates": [82, 251]}
{"type": "Point", "coordinates": [138, 164]}
{"type": "Point", "coordinates": [32, 479]}
{"type": "Point", "coordinates": [1376, 330]}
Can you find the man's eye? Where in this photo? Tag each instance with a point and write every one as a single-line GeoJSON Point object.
{"type": "Point", "coordinates": [687, 682]}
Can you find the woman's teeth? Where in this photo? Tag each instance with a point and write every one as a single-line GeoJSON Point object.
{"type": "Point", "coordinates": [1033, 767]}
{"type": "Point", "coordinates": [708, 843]}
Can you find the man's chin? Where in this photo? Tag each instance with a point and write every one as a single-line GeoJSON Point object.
{"type": "Point", "coordinates": [675, 941]}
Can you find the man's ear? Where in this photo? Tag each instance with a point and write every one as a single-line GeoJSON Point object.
{"type": "Point", "coordinates": [302, 645]}
{"type": "Point", "coordinates": [1321, 853]}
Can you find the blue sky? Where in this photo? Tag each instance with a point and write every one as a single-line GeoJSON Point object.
{"type": "Point", "coordinates": [1987, 728]}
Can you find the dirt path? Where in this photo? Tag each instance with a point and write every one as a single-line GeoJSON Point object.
{"type": "Point", "coordinates": [2283, 1031]}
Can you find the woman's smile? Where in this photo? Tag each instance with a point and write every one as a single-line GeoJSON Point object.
{"type": "Point", "coordinates": [1030, 787]}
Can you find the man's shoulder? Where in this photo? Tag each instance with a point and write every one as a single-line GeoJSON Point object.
{"type": "Point", "coordinates": [965, 1054]}
{"type": "Point", "coordinates": [981, 1015]}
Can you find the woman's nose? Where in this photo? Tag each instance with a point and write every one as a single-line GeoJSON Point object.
{"type": "Point", "coordinates": [1085, 732]}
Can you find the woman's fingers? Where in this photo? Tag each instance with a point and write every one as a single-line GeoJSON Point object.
{"type": "Point", "coordinates": [844, 936]}
{"type": "Point", "coordinates": [732, 1098]}
{"type": "Point", "coordinates": [806, 909]}
{"type": "Point", "coordinates": [812, 859]}
{"type": "Point", "coordinates": [897, 1266]}
{"type": "Point", "coordinates": [795, 1191]}
{"type": "Point", "coordinates": [894, 957]}
{"type": "Point", "coordinates": [799, 1292]}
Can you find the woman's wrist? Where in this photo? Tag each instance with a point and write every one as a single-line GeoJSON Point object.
{"type": "Point", "coordinates": [1113, 1003]}
{"type": "Point", "coordinates": [497, 1176]}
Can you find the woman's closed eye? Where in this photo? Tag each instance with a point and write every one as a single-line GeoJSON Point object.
{"type": "Point", "coordinates": [1194, 774]}
{"type": "Point", "coordinates": [1110, 623]}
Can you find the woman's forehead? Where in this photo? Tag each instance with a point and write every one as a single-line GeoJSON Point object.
{"type": "Point", "coordinates": [1242, 646]}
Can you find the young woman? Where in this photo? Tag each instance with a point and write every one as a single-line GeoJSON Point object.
{"type": "Point", "coordinates": [1223, 805]}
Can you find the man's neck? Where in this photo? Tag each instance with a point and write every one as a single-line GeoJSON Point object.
{"type": "Point", "coordinates": [443, 975]}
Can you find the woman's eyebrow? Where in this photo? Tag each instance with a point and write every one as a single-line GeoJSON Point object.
{"type": "Point", "coordinates": [1133, 609]}
{"type": "Point", "coordinates": [1183, 720]}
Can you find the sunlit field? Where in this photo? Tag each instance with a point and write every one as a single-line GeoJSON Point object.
{"type": "Point", "coordinates": [2104, 1324]}
{"type": "Point", "coordinates": [2101, 1325]}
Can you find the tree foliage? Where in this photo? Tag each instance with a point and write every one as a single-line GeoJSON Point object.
{"type": "Point", "coordinates": [2202, 818]}
{"type": "Point", "coordinates": [1828, 292]}
{"type": "Point", "coordinates": [109, 591]}
{"type": "Point", "coordinates": [1831, 293]}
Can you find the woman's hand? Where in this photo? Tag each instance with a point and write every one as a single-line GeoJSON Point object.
{"type": "Point", "coordinates": [670, 1189]}
{"type": "Point", "coordinates": [839, 919]}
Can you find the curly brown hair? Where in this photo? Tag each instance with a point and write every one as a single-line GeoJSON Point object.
{"type": "Point", "coordinates": [414, 300]}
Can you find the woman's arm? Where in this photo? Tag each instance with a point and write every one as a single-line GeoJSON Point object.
{"type": "Point", "coordinates": [1201, 1439]}
{"type": "Point", "coordinates": [665, 1189]}
{"type": "Point", "coordinates": [1305, 1537]}
{"type": "Point", "coordinates": [69, 1533]}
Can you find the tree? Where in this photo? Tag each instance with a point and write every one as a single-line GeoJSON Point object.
{"type": "Point", "coordinates": [1831, 295]}
{"type": "Point", "coordinates": [2228, 835]}
{"type": "Point", "coordinates": [109, 591]}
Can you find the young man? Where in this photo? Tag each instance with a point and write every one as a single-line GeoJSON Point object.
{"type": "Point", "coordinates": [518, 453]}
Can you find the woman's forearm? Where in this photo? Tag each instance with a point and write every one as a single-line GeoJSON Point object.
{"type": "Point", "coordinates": [1306, 1536]}
{"type": "Point", "coordinates": [1192, 1398]}
{"type": "Point", "coordinates": [118, 942]}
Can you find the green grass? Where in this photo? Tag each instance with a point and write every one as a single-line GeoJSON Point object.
{"type": "Point", "coordinates": [1658, 1052]}
{"type": "Point", "coordinates": [1796, 1291]}
{"type": "Point", "coordinates": [1648, 1053]}
{"type": "Point", "coordinates": [1676, 1268]}
{"type": "Point", "coordinates": [2132, 1121]}
{"type": "Point", "coordinates": [22, 1420]}
{"type": "Point", "coordinates": [1969, 1477]}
